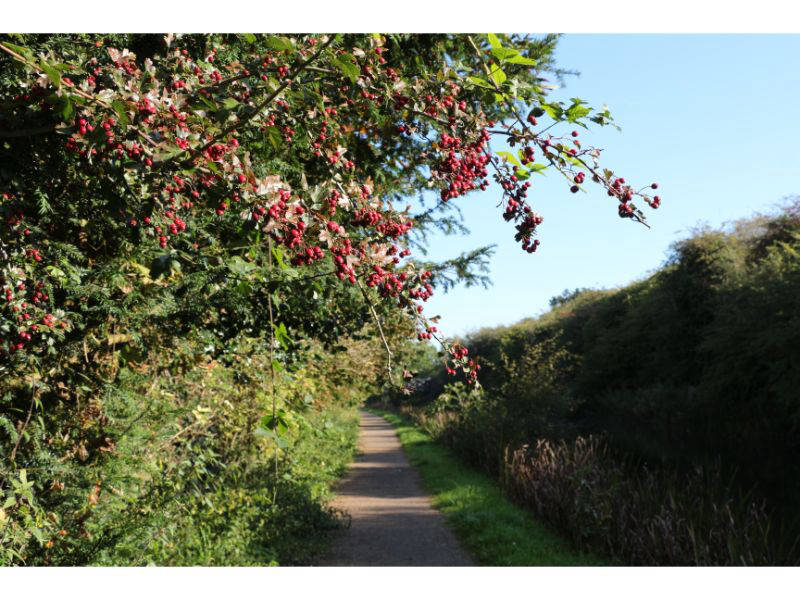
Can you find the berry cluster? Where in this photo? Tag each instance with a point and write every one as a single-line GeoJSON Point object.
{"type": "Point", "coordinates": [518, 210]}
{"type": "Point", "coordinates": [387, 283]}
{"type": "Point", "coordinates": [463, 167]}
{"type": "Point", "coordinates": [458, 358]}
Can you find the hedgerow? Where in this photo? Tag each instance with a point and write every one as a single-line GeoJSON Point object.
{"type": "Point", "coordinates": [174, 201]}
{"type": "Point", "coordinates": [655, 423]}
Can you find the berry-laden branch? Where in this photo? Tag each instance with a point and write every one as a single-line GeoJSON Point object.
{"type": "Point", "coordinates": [268, 100]}
{"type": "Point", "coordinates": [519, 207]}
{"type": "Point", "coordinates": [69, 84]}
{"type": "Point", "coordinates": [333, 141]}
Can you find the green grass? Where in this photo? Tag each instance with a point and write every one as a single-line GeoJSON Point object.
{"type": "Point", "coordinates": [492, 528]}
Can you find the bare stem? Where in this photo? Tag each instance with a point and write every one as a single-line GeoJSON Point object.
{"type": "Point", "coordinates": [380, 329]}
{"type": "Point", "coordinates": [27, 420]}
{"type": "Point", "coordinates": [272, 367]}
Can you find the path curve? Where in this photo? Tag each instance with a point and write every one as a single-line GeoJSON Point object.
{"type": "Point", "coordinates": [393, 522]}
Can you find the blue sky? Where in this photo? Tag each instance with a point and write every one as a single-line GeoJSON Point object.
{"type": "Point", "coordinates": [708, 117]}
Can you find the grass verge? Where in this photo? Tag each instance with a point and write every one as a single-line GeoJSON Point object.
{"type": "Point", "coordinates": [492, 528]}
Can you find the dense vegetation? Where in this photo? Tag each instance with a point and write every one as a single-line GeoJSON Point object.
{"type": "Point", "coordinates": [656, 423]}
{"type": "Point", "coordinates": [205, 263]}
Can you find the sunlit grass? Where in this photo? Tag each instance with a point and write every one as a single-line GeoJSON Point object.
{"type": "Point", "coordinates": [493, 529]}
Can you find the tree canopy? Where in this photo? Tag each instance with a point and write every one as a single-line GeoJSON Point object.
{"type": "Point", "coordinates": [176, 203]}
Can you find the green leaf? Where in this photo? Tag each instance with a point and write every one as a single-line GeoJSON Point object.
{"type": "Point", "coordinates": [240, 267]}
{"type": "Point", "coordinates": [521, 60]}
{"type": "Point", "coordinates": [577, 110]}
{"type": "Point", "coordinates": [168, 155]}
{"type": "Point", "coordinates": [350, 69]}
{"type": "Point", "coordinates": [498, 76]}
{"type": "Point", "coordinates": [249, 38]}
{"type": "Point", "coordinates": [213, 167]}
{"type": "Point", "coordinates": [510, 158]}
{"type": "Point", "coordinates": [282, 336]}
{"type": "Point", "coordinates": [276, 422]}
{"type": "Point", "coordinates": [504, 54]}
{"type": "Point", "coordinates": [278, 254]}
{"type": "Point", "coordinates": [494, 41]}
{"type": "Point", "coordinates": [573, 161]}
{"type": "Point", "coordinates": [537, 168]}
{"type": "Point", "coordinates": [553, 110]}
{"type": "Point", "coordinates": [27, 53]}
{"type": "Point", "coordinates": [279, 42]}
{"type": "Point", "coordinates": [208, 103]}
{"type": "Point", "coordinates": [119, 109]}
{"type": "Point", "coordinates": [480, 82]}
{"type": "Point", "coordinates": [37, 533]}
{"type": "Point", "coordinates": [271, 435]}
{"type": "Point", "coordinates": [52, 74]}
{"type": "Point", "coordinates": [274, 136]}
{"type": "Point", "coordinates": [67, 109]}
{"type": "Point", "coordinates": [230, 103]}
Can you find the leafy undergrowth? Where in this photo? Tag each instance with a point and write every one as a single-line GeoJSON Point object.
{"type": "Point", "coordinates": [250, 517]}
{"type": "Point", "coordinates": [243, 521]}
{"type": "Point", "coordinates": [493, 529]}
{"type": "Point", "coordinates": [191, 470]}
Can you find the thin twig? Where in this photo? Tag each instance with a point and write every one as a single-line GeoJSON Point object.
{"type": "Point", "coordinates": [380, 329]}
{"type": "Point", "coordinates": [272, 369]}
{"type": "Point", "coordinates": [27, 420]}
{"type": "Point", "coordinates": [28, 132]}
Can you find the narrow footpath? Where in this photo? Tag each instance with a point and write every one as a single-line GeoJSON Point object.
{"type": "Point", "coordinates": [393, 522]}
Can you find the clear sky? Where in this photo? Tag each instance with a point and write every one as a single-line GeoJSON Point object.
{"type": "Point", "coordinates": [711, 118]}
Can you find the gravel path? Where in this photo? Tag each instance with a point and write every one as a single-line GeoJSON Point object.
{"type": "Point", "coordinates": [393, 523]}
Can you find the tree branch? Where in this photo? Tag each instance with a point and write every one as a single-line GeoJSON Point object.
{"type": "Point", "coordinates": [29, 131]}
{"type": "Point", "coordinates": [267, 100]}
{"type": "Point", "coordinates": [76, 91]}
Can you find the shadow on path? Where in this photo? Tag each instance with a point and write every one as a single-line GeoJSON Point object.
{"type": "Point", "coordinates": [393, 523]}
